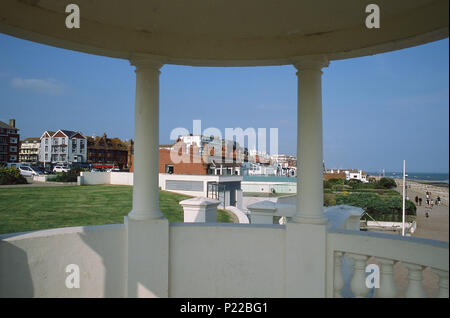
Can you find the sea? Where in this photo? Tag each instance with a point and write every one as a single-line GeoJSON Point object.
{"type": "Point", "coordinates": [422, 176]}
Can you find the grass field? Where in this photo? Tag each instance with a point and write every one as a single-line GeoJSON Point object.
{"type": "Point", "coordinates": [37, 208]}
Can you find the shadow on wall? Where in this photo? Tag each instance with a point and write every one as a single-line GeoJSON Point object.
{"type": "Point", "coordinates": [109, 246]}
{"type": "Point", "coordinates": [14, 272]}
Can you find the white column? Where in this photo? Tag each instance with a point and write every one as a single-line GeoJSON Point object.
{"type": "Point", "coordinates": [306, 235]}
{"type": "Point", "coordinates": [309, 141]}
{"type": "Point", "coordinates": [146, 144]}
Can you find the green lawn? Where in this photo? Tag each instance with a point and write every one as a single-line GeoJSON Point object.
{"type": "Point", "coordinates": [36, 208]}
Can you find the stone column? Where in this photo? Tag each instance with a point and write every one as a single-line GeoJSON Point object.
{"type": "Point", "coordinates": [309, 141]}
{"type": "Point", "coordinates": [146, 143]}
{"type": "Point", "coordinates": [147, 231]}
{"type": "Point", "coordinates": [306, 235]}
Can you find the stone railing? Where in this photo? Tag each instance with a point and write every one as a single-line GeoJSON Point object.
{"type": "Point", "coordinates": [355, 250]}
{"type": "Point", "coordinates": [350, 250]}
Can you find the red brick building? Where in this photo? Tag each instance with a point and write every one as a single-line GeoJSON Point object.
{"type": "Point", "coordinates": [9, 142]}
{"type": "Point", "coordinates": [104, 150]}
{"type": "Point", "coordinates": [196, 163]}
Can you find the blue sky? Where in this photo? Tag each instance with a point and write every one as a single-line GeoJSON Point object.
{"type": "Point", "coordinates": [377, 110]}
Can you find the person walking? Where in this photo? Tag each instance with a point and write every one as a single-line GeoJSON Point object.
{"type": "Point", "coordinates": [431, 203]}
{"type": "Point", "coordinates": [438, 200]}
{"type": "Point", "coordinates": [420, 201]}
{"type": "Point", "coordinates": [417, 200]}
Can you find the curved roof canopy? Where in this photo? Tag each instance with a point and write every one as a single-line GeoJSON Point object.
{"type": "Point", "coordinates": [227, 32]}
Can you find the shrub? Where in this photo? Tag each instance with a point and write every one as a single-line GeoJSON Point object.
{"type": "Point", "coordinates": [387, 183]}
{"type": "Point", "coordinates": [71, 175]}
{"type": "Point", "coordinates": [353, 182]}
{"type": "Point", "coordinates": [381, 208]}
{"type": "Point", "coordinates": [11, 176]}
{"type": "Point", "coordinates": [66, 177]}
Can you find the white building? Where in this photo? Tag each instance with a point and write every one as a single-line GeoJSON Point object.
{"type": "Point", "coordinates": [63, 146]}
{"type": "Point", "coordinates": [29, 150]}
{"type": "Point", "coordinates": [356, 175]}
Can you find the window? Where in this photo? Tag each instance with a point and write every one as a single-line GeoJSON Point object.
{"type": "Point", "coordinates": [62, 157]}
{"type": "Point", "coordinates": [13, 149]}
{"type": "Point", "coordinates": [46, 141]}
{"type": "Point", "coordinates": [46, 148]}
{"type": "Point", "coordinates": [81, 145]}
{"type": "Point", "coordinates": [46, 157]}
{"type": "Point", "coordinates": [169, 169]}
{"type": "Point", "coordinates": [74, 145]}
{"type": "Point", "coordinates": [12, 158]}
{"type": "Point", "coordinates": [13, 140]}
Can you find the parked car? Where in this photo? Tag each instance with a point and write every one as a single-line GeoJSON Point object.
{"type": "Point", "coordinates": [61, 169]}
{"type": "Point", "coordinates": [40, 170]}
{"type": "Point", "coordinates": [28, 171]}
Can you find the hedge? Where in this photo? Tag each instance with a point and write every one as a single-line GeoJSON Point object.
{"type": "Point", "coordinates": [11, 176]}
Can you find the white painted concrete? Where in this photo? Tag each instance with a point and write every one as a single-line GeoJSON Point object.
{"type": "Point", "coordinates": [154, 259]}
{"type": "Point", "coordinates": [200, 210]}
{"type": "Point", "coordinates": [226, 260]}
{"type": "Point", "coordinates": [268, 187]}
{"type": "Point", "coordinates": [146, 143]}
{"type": "Point", "coordinates": [33, 264]}
{"type": "Point", "coordinates": [241, 216]}
{"type": "Point", "coordinates": [309, 140]}
{"type": "Point", "coordinates": [121, 178]}
{"type": "Point", "coordinates": [91, 178]}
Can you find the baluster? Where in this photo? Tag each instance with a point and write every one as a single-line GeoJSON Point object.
{"type": "Point", "coordinates": [415, 277]}
{"type": "Point", "coordinates": [358, 282]}
{"type": "Point", "coordinates": [387, 285]}
{"type": "Point", "coordinates": [443, 283]}
{"type": "Point", "coordinates": [338, 282]}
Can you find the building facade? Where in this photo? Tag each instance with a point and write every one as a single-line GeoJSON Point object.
{"type": "Point", "coordinates": [9, 142]}
{"type": "Point", "coordinates": [29, 150]}
{"type": "Point", "coordinates": [104, 150]}
{"type": "Point", "coordinates": [62, 147]}
{"type": "Point", "coordinates": [207, 159]}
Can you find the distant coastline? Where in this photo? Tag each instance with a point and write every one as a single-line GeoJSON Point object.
{"type": "Point", "coordinates": [435, 179]}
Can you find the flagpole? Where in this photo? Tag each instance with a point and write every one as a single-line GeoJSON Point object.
{"type": "Point", "coordinates": [404, 197]}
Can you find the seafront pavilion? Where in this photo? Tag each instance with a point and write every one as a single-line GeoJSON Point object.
{"type": "Point", "coordinates": [146, 256]}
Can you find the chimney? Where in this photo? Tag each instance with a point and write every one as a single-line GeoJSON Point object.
{"type": "Point", "coordinates": [12, 123]}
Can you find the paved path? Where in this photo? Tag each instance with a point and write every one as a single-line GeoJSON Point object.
{"type": "Point", "coordinates": [436, 226]}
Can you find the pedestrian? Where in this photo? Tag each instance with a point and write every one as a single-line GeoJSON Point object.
{"type": "Point", "coordinates": [431, 203]}
{"type": "Point", "coordinates": [428, 202]}
{"type": "Point", "coordinates": [438, 200]}
{"type": "Point", "coordinates": [417, 200]}
{"type": "Point", "coordinates": [420, 201]}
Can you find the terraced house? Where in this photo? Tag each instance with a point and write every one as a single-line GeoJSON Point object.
{"type": "Point", "coordinates": [63, 146]}
{"type": "Point", "coordinates": [9, 142]}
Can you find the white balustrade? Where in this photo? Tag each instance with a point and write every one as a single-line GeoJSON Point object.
{"type": "Point", "coordinates": [338, 279]}
{"type": "Point", "coordinates": [358, 282]}
{"type": "Point", "coordinates": [415, 277]}
{"type": "Point", "coordinates": [387, 287]}
{"type": "Point", "coordinates": [443, 283]}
